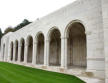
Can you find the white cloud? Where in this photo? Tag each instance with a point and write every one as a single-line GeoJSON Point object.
{"type": "Point", "coordinates": [12, 12]}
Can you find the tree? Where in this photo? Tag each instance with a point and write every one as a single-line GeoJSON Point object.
{"type": "Point", "coordinates": [9, 29]}
{"type": "Point", "coordinates": [22, 24]}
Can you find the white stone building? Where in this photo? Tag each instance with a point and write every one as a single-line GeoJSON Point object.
{"type": "Point", "coordinates": [71, 40]}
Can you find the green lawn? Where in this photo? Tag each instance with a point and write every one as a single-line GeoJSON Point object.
{"type": "Point", "coordinates": [11, 73]}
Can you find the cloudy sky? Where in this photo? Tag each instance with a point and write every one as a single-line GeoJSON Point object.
{"type": "Point", "coordinates": [12, 12]}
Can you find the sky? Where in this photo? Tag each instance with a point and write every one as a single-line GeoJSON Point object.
{"type": "Point", "coordinates": [13, 12]}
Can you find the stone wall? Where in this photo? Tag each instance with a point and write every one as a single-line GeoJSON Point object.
{"type": "Point", "coordinates": [90, 13]}
{"type": "Point", "coordinates": [105, 30]}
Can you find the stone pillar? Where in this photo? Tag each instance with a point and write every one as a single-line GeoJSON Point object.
{"type": "Point", "coordinates": [14, 51]}
{"type": "Point", "coordinates": [25, 53]}
{"type": "Point", "coordinates": [105, 26]}
{"type": "Point", "coordinates": [19, 52]}
{"type": "Point", "coordinates": [34, 53]}
{"type": "Point", "coordinates": [10, 53]}
{"type": "Point", "coordinates": [64, 52]}
{"type": "Point", "coordinates": [3, 53]}
{"type": "Point", "coordinates": [46, 52]}
{"type": "Point", "coordinates": [95, 54]}
{"type": "Point", "coordinates": [9, 57]}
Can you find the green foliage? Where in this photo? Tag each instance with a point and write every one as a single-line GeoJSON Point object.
{"type": "Point", "coordinates": [9, 29]}
{"type": "Point", "coordinates": [19, 26]}
{"type": "Point", "coordinates": [22, 24]}
{"type": "Point", "coordinates": [12, 73]}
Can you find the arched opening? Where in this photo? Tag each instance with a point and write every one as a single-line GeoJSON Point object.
{"type": "Point", "coordinates": [76, 46]}
{"type": "Point", "coordinates": [11, 53]}
{"type": "Point", "coordinates": [40, 49]}
{"type": "Point", "coordinates": [3, 51]}
{"type": "Point", "coordinates": [22, 50]}
{"type": "Point", "coordinates": [30, 49]}
{"type": "Point", "coordinates": [16, 48]}
{"type": "Point", "coordinates": [55, 48]}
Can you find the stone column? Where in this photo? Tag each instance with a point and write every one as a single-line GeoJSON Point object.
{"type": "Point", "coordinates": [14, 51]}
{"type": "Point", "coordinates": [9, 57]}
{"type": "Point", "coordinates": [34, 53]}
{"type": "Point", "coordinates": [10, 54]}
{"type": "Point", "coordinates": [46, 52]}
{"type": "Point", "coordinates": [3, 53]}
{"type": "Point", "coordinates": [19, 52]}
{"type": "Point", "coordinates": [64, 52]}
{"type": "Point", "coordinates": [25, 53]}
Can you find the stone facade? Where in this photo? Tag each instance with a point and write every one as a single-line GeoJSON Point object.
{"type": "Point", "coordinates": [71, 40]}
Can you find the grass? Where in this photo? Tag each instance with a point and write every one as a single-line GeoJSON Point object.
{"type": "Point", "coordinates": [12, 73]}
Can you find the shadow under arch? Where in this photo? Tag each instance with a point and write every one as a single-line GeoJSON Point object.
{"type": "Point", "coordinates": [22, 44]}
{"type": "Point", "coordinates": [54, 35]}
{"type": "Point", "coordinates": [76, 44]}
{"type": "Point", "coordinates": [11, 52]}
{"type": "Point", "coordinates": [16, 48]}
{"type": "Point", "coordinates": [3, 51]}
{"type": "Point", "coordinates": [30, 48]}
{"type": "Point", "coordinates": [40, 39]}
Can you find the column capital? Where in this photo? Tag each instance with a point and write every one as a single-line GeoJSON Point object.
{"type": "Point", "coordinates": [14, 46]}
{"type": "Point", "coordinates": [47, 40]}
{"type": "Point", "coordinates": [26, 44]}
{"type": "Point", "coordinates": [19, 45]}
{"type": "Point", "coordinates": [64, 37]}
{"type": "Point", "coordinates": [35, 42]}
{"type": "Point", "coordinates": [88, 32]}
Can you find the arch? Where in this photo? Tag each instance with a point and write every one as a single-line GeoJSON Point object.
{"type": "Point", "coordinates": [30, 48]}
{"type": "Point", "coordinates": [37, 35]}
{"type": "Point", "coordinates": [76, 45]}
{"type": "Point", "coordinates": [3, 51]}
{"type": "Point", "coordinates": [55, 47]}
{"type": "Point", "coordinates": [40, 48]}
{"type": "Point", "coordinates": [16, 52]}
{"type": "Point", "coordinates": [70, 23]}
{"type": "Point", "coordinates": [11, 52]}
{"type": "Point", "coordinates": [22, 43]}
{"type": "Point", "coordinates": [50, 31]}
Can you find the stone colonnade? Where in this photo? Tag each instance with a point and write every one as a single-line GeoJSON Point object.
{"type": "Point", "coordinates": [67, 52]}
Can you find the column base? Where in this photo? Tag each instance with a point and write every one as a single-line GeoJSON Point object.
{"type": "Point", "coordinates": [62, 70]}
{"type": "Point", "coordinates": [44, 67]}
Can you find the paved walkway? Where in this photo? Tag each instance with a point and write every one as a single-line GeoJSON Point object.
{"type": "Point", "coordinates": [91, 80]}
